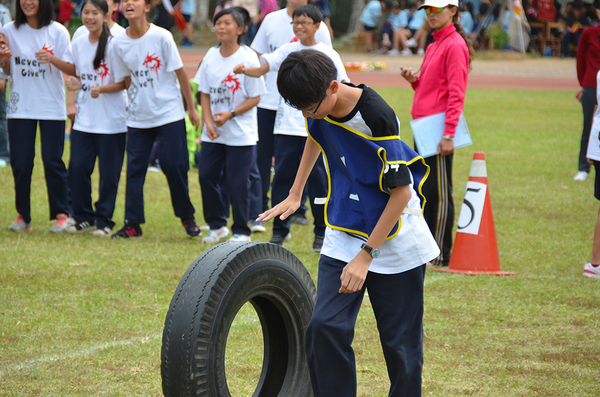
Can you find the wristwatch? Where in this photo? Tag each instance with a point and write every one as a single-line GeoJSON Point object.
{"type": "Point", "coordinates": [448, 137]}
{"type": "Point", "coordinates": [374, 252]}
{"type": "Point", "coordinates": [233, 113]}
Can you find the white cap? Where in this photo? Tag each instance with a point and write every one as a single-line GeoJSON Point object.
{"type": "Point", "coordinates": [439, 3]}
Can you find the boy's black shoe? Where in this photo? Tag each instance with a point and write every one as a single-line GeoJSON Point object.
{"type": "Point", "coordinates": [318, 243]}
{"type": "Point", "coordinates": [191, 227]}
{"type": "Point", "coordinates": [129, 231]}
{"type": "Point", "coordinates": [299, 219]}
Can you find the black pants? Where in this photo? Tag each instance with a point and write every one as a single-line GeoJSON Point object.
{"type": "Point", "coordinates": [439, 205]}
{"type": "Point", "coordinates": [588, 102]}
{"type": "Point", "coordinates": [110, 151]}
{"type": "Point", "coordinates": [22, 134]}
{"type": "Point", "coordinates": [288, 154]}
{"type": "Point", "coordinates": [265, 150]}
{"type": "Point", "coordinates": [397, 301]}
{"type": "Point", "coordinates": [236, 161]}
{"type": "Point", "coordinates": [174, 162]}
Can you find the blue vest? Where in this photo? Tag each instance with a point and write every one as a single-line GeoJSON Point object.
{"type": "Point", "coordinates": [356, 164]}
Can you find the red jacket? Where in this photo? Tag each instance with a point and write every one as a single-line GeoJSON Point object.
{"type": "Point", "coordinates": [442, 82]}
{"type": "Point", "coordinates": [588, 57]}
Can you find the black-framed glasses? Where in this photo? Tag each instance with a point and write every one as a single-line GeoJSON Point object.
{"type": "Point", "coordinates": [307, 111]}
{"type": "Point", "coordinates": [304, 23]}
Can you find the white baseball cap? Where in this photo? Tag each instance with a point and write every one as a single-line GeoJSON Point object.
{"type": "Point", "coordinates": [439, 3]}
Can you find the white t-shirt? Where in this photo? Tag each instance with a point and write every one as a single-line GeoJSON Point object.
{"type": "Point", "coordinates": [290, 121]}
{"type": "Point", "coordinates": [227, 91]}
{"type": "Point", "coordinates": [593, 151]}
{"type": "Point", "coordinates": [154, 94]}
{"type": "Point", "coordinates": [275, 31]}
{"type": "Point", "coordinates": [37, 91]}
{"type": "Point", "coordinates": [115, 31]}
{"type": "Point", "coordinates": [105, 114]}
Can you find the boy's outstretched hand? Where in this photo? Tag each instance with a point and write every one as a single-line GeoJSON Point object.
{"type": "Point", "coordinates": [286, 208]}
{"type": "Point", "coordinates": [355, 273]}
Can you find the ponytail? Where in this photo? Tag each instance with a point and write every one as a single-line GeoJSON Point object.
{"type": "Point", "coordinates": [461, 32]}
{"type": "Point", "coordinates": [101, 50]}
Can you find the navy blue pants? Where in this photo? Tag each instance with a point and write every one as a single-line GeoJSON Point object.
{"type": "Point", "coordinates": [21, 133]}
{"type": "Point", "coordinates": [174, 163]}
{"type": "Point", "coordinates": [288, 153]}
{"type": "Point", "coordinates": [110, 151]}
{"type": "Point", "coordinates": [264, 151]}
{"type": "Point", "coordinates": [255, 192]}
{"type": "Point", "coordinates": [397, 301]}
{"type": "Point", "coordinates": [236, 161]}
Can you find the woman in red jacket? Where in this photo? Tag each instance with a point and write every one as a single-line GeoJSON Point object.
{"type": "Point", "coordinates": [588, 64]}
{"type": "Point", "coordinates": [440, 87]}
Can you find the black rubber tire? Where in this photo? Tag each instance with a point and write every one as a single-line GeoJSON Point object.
{"type": "Point", "coordinates": [205, 304]}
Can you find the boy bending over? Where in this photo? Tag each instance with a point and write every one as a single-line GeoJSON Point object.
{"type": "Point", "coordinates": [376, 237]}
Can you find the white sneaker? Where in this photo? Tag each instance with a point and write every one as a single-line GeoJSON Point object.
{"type": "Point", "coordinates": [104, 232]}
{"type": "Point", "coordinates": [411, 42]}
{"type": "Point", "coordinates": [581, 176]}
{"type": "Point", "coordinates": [406, 52]}
{"type": "Point", "coordinates": [420, 52]}
{"type": "Point", "coordinates": [214, 236]}
{"type": "Point", "coordinates": [63, 222]}
{"type": "Point", "coordinates": [592, 271]}
{"type": "Point", "coordinates": [393, 51]}
{"type": "Point", "coordinates": [3, 163]}
{"type": "Point", "coordinates": [386, 43]}
{"type": "Point", "coordinates": [19, 225]}
{"type": "Point", "coordinates": [240, 237]}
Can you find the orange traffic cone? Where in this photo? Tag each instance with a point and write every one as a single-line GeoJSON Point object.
{"type": "Point", "coordinates": [475, 247]}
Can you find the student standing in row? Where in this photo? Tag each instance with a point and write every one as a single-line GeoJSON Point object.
{"type": "Point", "coordinates": [275, 31]}
{"type": "Point", "coordinates": [440, 87]}
{"type": "Point", "coordinates": [230, 133]}
{"type": "Point", "coordinates": [148, 61]}
{"type": "Point", "coordinates": [290, 127]}
{"type": "Point", "coordinates": [100, 127]}
{"type": "Point", "coordinates": [41, 53]}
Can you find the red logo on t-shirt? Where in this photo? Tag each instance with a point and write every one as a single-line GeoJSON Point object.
{"type": "Point", "coordinates": [232, 83]}
{"type": "Point", "coordinates": [153, 63]}
{"type": "Point", "coordinates": [102, 71]}
{"type": "Point", "coordinates": [295, 39]}
{"type": "Point", "coordinates": [50, 50]}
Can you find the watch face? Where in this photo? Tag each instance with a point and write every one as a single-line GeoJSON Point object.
{"type": "Point", "coordinates": [375, 253]}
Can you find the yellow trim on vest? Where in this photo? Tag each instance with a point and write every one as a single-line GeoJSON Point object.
{"type": "Point", "coordinates": [384, 161]}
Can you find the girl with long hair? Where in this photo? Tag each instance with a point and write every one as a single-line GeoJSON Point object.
{"type": "Point", "coordinates": [36, 53]}
{"type": "Point", "coordinates": [440, 86]}
{"type": "Point", "coordinates": [100, 127]}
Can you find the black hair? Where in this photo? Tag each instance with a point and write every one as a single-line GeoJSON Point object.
{"type": "Point", "coordinates": [304, 77]}
{"type": "Point", "coordinates": [463, 34]}
{"type": "Point", "coordinates": [105, 35]}
{"type": "Point", "coordinates": [388, 4]}
{"type": "Point", "coordinates": [45, 14]}
{"type": "Point", "coordinates": [310, 11]}
{"type": "Point", "coordinates": [237, 17]}
{"type": "Point", "coordinates": [245, 14]}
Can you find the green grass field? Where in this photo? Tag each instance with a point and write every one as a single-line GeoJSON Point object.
{"type": "Point", "coordinates": [83, 316]}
